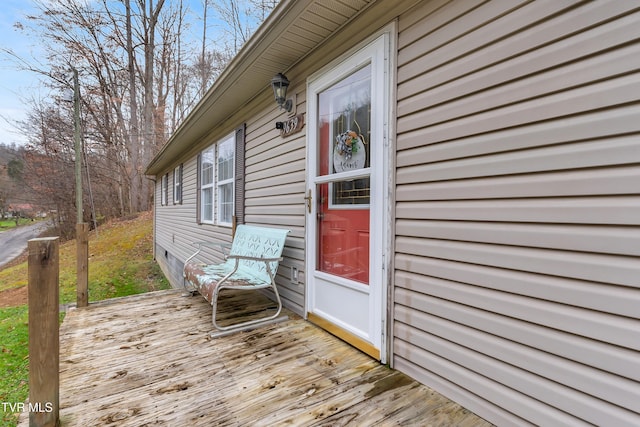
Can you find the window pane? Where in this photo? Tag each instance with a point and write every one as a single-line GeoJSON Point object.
{"type": "Point", "coordinates": [163, 189]}
{"type": "Point", "coordinates": [348, 193]}
{"type": "Point", "coordinates": [345, 124]}
{"type": "Point", "coordinates": [177, 184]}
{"type": "Point", "coordinates": [207, 166]}
{"type": "Point", "coordinates": [226, 203]}
{"type": "Point", "coordinates": [207, 204]}
{"type": "Point", "coordinates": [225, 160]}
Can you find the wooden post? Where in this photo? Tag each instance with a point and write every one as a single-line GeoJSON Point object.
{"type": "Point", "coordinates": [234, 225]}
{"type": "Point", "coordinates": [82, 264]}
{"type": "Point", "coordinates": [44, 338]}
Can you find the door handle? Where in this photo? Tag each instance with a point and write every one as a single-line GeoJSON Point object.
{"type": "Point", "coordinates": [308, 198]}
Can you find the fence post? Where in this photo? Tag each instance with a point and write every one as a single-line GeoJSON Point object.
{"type": "Point", "coordinates": [82, 264]}
{"type": "Point", "coordinates": [44, 338]}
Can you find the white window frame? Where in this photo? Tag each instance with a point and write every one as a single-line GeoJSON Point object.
{"type": "Point", "coordinates": [208, 186]}
{"type": "Point", "coordinates": [177, 185]}
{"type": "Point", "coordinates": [229, 139]}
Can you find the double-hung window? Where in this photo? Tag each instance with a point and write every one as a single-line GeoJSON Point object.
{"type": "Point", "coordinates": [226, 161]}
{"type": "Point", "coordinates": [217, 182]}
{"type": "Point", "coordinates": [207, 184]}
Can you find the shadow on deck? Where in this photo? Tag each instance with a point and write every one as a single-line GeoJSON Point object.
{"type": "Point", "coordinates": [148, 360]}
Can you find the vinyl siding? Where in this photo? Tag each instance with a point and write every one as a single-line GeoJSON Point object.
{"type": "Point", "coordinates": [517, 277]}
{"type": "Point", "coordinates": [274, 191]}
{"type": "Point", "coordinates": [177, 230]}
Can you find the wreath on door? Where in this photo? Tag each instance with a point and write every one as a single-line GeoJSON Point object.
{"type": "Point", "coordinates": [349, 152]}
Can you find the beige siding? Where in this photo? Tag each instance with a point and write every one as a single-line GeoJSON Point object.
{"type": "Point", "coordinates": [275, 186]}
{"type": "Point", "coordinates": [177, 230]}
{"type": "Point", "coordinates": [274, 192]}
{"type": "Point", "coordinates": [517, 277]}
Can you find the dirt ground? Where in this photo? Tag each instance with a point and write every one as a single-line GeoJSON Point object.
{"type": "Point", "coordinates": [15, 296]}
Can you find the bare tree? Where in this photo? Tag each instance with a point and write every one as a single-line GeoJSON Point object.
{"type": "Point", "coordinates": [139, 78]}
{"type": "Point", "coordinates": [240, 18]}
{"type": "Point", "coordinates": [11, 177]}
{"type": "Point", "coordinates": [134, 125]}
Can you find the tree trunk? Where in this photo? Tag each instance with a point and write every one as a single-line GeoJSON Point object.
{"type": "Point", "coordinates": [134, 131]}
{"type": "Point", "coordinates": [150, 140]}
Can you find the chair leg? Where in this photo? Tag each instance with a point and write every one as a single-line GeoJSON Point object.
{"type": "Point", "coordinates": [187, 292]}
{"type": "Point", "coordinates": [243, 326]}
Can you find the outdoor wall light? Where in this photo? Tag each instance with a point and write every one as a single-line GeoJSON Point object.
{"type": "Point", "coordinates": [280, 83]}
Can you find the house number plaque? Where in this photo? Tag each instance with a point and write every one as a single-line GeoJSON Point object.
{"type": "Point", "coordinates": [291, 126]}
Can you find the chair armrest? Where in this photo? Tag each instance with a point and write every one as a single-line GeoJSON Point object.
{"type": "Point", "coordinates": [212, 244]}
{"type": "Point", "coordinates": [223, 246]}
{"type": "Point", "coordinates": [254, 258]}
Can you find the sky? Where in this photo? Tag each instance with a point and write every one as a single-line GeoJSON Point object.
{"type": "Point", "coordinates": [15, 85]}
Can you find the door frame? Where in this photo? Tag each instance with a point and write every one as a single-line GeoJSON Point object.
{"type": "Point", "coordinates": [383, 43]}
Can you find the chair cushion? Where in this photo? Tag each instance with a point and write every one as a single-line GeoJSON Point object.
{"type": "Point", "coordinates": [205, 278]}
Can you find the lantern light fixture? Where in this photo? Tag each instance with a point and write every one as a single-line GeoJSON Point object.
{"type": "Point", "coordinates": [279, 84]}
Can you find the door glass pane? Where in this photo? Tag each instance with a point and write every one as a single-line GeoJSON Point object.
{"type": "Point", "coordinates": [343, 238]}
{"type": "Point", "coordinates": [344, 194]}
{"type": "Point", "coordinates": [344, 138]}
{"type": "Point", "coordinates": [344, 125]}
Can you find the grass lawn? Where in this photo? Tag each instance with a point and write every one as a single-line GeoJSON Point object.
{"type": "Point", "coordinates": [120, 264]}
{"type": "Point", "coordinates": [14, 359]}
{"type": "Point", "coordinates": [10, 223]}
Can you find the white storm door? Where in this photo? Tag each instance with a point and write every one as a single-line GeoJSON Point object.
{"type": "Point", "coordinates": [346, 225]}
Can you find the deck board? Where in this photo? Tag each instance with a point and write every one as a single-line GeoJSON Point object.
{"type": "Point", "coordinates": [148, 360]}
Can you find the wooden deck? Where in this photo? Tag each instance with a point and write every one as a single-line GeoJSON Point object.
{"type": "Point", "coordinates": [147, 360]}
